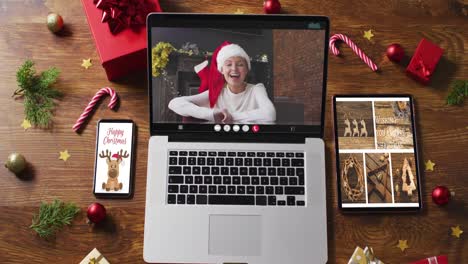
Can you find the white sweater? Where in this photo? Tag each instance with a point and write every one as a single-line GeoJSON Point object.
{"type": "Point", "coordinates": [250, 106]}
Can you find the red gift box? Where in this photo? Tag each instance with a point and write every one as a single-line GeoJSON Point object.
{"type": "Point", "coordinates": [424, 61]}
{"type": "Point", "coordinates": [433, 260]}
{"type": "Point", "coordinates": [124, 51]}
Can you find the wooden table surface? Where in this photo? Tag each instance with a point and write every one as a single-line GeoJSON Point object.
{"type": "Point", "coordinates": [442, 130]}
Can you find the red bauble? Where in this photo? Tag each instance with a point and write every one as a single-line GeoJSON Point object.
{"type": "Point", "coordinates": [54, 22]}
{"type": "Point", "coordinates": [96, 212]}
{"type": "Point", "coordinates": [272, 6]}
{"type": "Point", "coordinates": [440, 195]}
{"type": "Point", "coordinates": [395, 52]}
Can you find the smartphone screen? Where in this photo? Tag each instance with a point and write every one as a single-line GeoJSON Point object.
{"type": "Point", "coordinates": [113, 176]}
{"type": "Point", "coordinates": [377, 163]}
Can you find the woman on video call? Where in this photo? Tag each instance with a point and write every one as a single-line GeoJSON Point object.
{"type": "Point", "coordinates": [224, 95]}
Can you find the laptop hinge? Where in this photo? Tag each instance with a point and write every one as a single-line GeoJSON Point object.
{"type": "Point", "coordinates": [272, 138]}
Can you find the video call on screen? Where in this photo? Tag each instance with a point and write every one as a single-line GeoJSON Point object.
{"type": "Point", "coordinates": [283, 84]}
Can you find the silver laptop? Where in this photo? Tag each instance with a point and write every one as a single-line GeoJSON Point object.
{"type": "Point", "coordinates": [236, 163]}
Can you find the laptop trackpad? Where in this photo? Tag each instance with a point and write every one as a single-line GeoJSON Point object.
{"type": "Point", "coordinates": [235, 235]}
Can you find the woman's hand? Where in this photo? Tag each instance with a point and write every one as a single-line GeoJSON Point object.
{"type": "Point", "coordinates": [222, 116]}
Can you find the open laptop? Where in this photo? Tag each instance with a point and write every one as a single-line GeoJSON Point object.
{"type": "Point", "coordinates": [236, 163]}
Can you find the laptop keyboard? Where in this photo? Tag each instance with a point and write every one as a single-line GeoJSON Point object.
{"type": "Point", "coordinates": [236, 178]}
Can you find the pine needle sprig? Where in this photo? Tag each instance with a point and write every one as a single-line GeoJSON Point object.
{"type": "Point", "coordinates": [52, 217]}
{"type": "Point", "coordinates": [458, 93]}
{"type": "Point", "coordinates": [37, 93]}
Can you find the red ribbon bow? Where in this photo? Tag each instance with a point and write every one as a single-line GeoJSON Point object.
{"type": "Point", "coordinates": [421, 67]}
{"type": "Point", "coordinates": [120, 14]}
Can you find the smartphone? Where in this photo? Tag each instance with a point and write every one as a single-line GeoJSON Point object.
{"type": "Point", "coordinates": [376, 153]}
{"type": "Point", "coordinates": [114, 159]}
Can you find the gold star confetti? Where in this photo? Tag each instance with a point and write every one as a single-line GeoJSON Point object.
{"type": "Point", "coordinates": [26, 124]}
{"type": "Point", "coordinates": [430, 165]}
{"type": "Point", "coordinates": [64, 155]}
{"type": "Point", "coordinates": [456, 231]}
{"type": "Point", "coordinates": [402, 244]}
{"type": "Point", "coordinates": [239, 12]}
{"type": "Point", "coordinates": [368, 34]}
{"type": "Point", "coordinates": [86, 63]}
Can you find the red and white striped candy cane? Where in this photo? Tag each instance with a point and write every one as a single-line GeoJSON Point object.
{"type": "Point", "coordinates": [89, 108]}
{"type": "Point", "coordinates": [353, 46]}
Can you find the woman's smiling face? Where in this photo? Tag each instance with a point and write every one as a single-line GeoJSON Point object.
{"type": "Point", "coordinates": [235, 70]}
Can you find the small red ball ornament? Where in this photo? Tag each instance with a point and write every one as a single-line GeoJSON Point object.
{"type": "Point", "coordinates": [96, 212]}
{"type": "Point", "coordinates": [395, 52]}
{"type": "Point", "coordinates": [272, 6]}
{"type": "Point", "coordinates": [54, 22]}
{"type": "Point", "coordinates": [441, 195]}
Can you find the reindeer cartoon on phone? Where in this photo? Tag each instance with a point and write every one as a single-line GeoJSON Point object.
{"type": "Point", "coordinates": [113, 169]}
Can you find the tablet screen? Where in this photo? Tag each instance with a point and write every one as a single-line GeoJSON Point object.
{"type": "Point", "coordinates": [376, 154]}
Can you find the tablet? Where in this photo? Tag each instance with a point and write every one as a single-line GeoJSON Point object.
{"type": "Point", "coordinates": [376, 153]}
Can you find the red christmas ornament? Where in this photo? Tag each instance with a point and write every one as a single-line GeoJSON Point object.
{"type": "Point", "coordinates": [54, 22]}
{"type": "Point", "coordinates": [96, 212]}
{"type": "Point", "coordinates": [440, 195]}
{"type": "Point", "coordinates": [395, 52]}
{"type": "Point", "coordinates": [272, 7]}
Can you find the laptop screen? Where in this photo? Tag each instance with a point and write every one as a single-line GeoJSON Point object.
{"type": "Point", "coordinates": [238, 75]}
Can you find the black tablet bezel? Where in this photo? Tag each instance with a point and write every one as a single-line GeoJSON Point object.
{"type": "Point", "coordinates": [237, 21]}
{"type": "Point", "coordinates": [132, 161]}
{"type": "Point", "coordinates": [416, 156]}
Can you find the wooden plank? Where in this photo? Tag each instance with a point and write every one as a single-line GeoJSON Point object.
{"type": "Point", "coordinates": [442, 134]}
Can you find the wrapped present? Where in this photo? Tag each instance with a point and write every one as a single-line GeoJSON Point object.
{"type": "Point", "coordinates": [119, 32]}
{"type": "Point", "coordinates": [433, 260]}
{"type": "Point", "coordinates": [364, 256]}
{"type": "Point", "coordinates": [94, 257]}
{"type": "Point", "coordinates": [424, 61]}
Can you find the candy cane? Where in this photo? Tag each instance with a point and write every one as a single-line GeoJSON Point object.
{"type": "Point", "coordinates": [353, 46]}
{"type": "Point", "coordinates": [89, 108]}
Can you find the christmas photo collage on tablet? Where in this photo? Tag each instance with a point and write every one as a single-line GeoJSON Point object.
{"type": "Point", "coordinates": [376, 152]}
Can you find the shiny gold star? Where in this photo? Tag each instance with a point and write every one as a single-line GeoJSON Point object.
{"type": "Point", "coordinates": [402, 244]}
{"type": "Point", "coordinates": [368, 34]}
{"type": "Point", "coordinates": [456, 231]}
{"type": "Point", "coordinates": [64, 155]}
{"type": "Point", "coordinates": [239, 12]}
{"type": "Point", "coordinates": [430, 165]}
{"type": "Point", "coordinates": [86, 63]}
{"type": "Point", "coordinates": [26, 124]}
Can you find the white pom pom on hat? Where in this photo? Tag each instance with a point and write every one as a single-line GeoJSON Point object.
{"type": "Point", "coordinates": [231, 50]}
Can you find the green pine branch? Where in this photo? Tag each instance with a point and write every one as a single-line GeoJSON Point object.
{"type": "Point", "coordinates": [458, 93]}
{"type": "Point", "coordinates": [52, 217]}
{"type": "Point", "coordinates": [37, 93]}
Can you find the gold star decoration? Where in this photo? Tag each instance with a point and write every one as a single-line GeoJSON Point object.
{"type": "Point", "coordinates": [26, 124]}
{"type": "Point", "coordinates": [64, 155]}
{"type": "Point", "coordinates": [402, 244]}
{"type": "Point", "coordinates": [86, 63]}
{"type": "Point", "coordinates": [368, 34]}
{"type": "Point", "coordinates": [430, 165]}
{"type": "Point", "coordinates": [456, 231]}
{"type": "Point", "coordinates": [239, 12]}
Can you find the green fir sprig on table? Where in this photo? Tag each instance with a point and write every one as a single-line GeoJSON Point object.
{"type": "Point", "coordinates": [52, 217]}
{"type": "Point", "coordinates": [37, 93]}
{"type": "Point", "coordinates": [458, 93]}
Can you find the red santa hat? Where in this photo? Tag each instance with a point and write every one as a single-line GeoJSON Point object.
{"type": "Point", "coordinates": [211, 78]}
{"type": "Point", "coordinates": [231, 50]}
